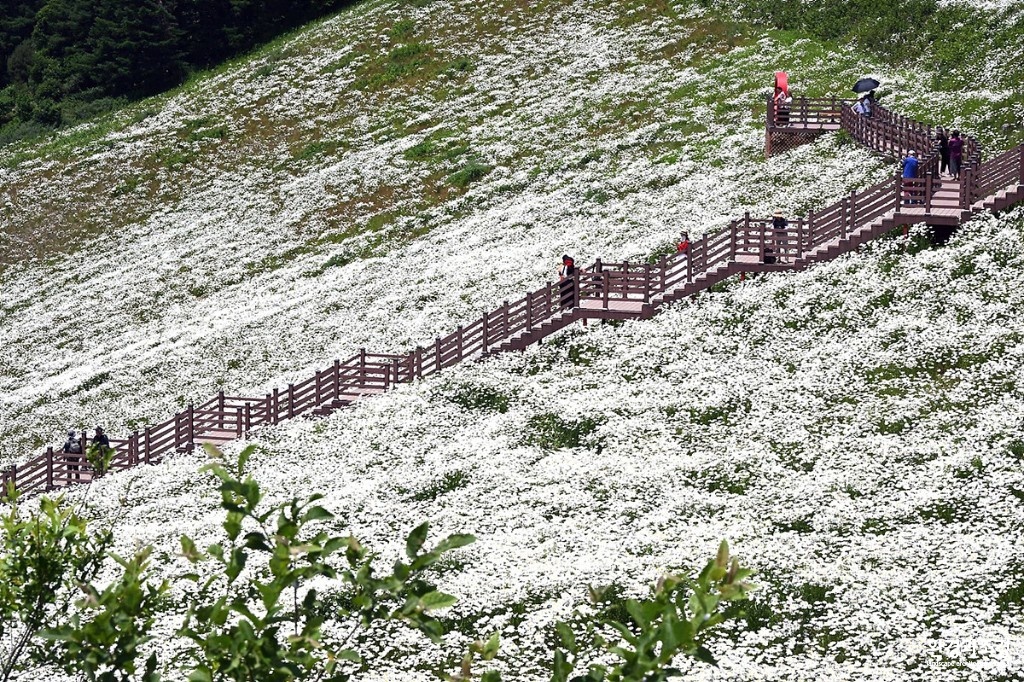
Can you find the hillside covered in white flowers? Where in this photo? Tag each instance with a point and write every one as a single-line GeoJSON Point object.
{"type": "Point", "coordinates": [856, 431]}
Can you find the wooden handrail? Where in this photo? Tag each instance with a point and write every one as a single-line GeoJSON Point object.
{"type": "Point", "coordinates": [708, 257]}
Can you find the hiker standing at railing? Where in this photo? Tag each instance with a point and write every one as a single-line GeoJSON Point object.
{"type": "Point", "coordinates": [73, 453]}
{"type": "Point", "coordinates": [780, 225]}
{"type": "Point", "coordinates": [783, 101]}
{"type": "Point", "coordinates": [683, 246]}
{"type": "Point", "coordinates": [943, 139]}
{"type": "Point", "coordinates": [956, 154]}
{"type": "Point", "coordinates": [567, 282]}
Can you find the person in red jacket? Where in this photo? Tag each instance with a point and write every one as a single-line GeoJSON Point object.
{"type": "Point", "coordinates": [684, 244]}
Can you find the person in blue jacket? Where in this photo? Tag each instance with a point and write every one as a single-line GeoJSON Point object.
{"type": "Point", "coordinates": [909, 171]}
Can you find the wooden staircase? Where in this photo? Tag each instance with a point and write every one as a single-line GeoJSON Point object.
{"type": "Point", "coordinates": [602, 291]}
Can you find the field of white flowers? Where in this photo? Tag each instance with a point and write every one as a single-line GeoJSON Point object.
{"type": "Point", "coordinates": [854, 431]}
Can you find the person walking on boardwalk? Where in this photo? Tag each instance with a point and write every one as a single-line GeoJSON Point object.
{"type": "Point", "coordinates": [73, 453]}
{"type": "Point", "coordinates": [872, 100]}
{"type": "Point", "coordinates": [943, 139]}
{"type": "Point", "coordinates": [863, 106]}
{"type": "Point", "coordinates": [567, 282]}
{"type": "Point", "coordinates": [909, 173]}
{"type": "Point", "coordinates": [956, 154]}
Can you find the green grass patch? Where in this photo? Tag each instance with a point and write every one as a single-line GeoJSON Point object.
{"type": "Point", "coordinates": [450, 482]}
{"type": "Point", "coordinates": [481, 398]}
{"type": "Point", "coordinates": [472, 171]}
{"type": "Point", "coordinates": [551, 432]}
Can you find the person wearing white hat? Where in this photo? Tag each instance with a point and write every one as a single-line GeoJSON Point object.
{"type": "Point", "coordinates": [909, 173]}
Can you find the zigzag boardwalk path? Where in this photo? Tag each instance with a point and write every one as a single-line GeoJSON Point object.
{"type": "Point", "coordinates": [606, 290]}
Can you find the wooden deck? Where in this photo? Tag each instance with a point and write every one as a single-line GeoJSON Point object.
{"type": "Point", "coordinates": [610, 291]}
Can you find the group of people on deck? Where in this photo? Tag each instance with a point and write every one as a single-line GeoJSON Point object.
{"type": "Point", "coordinates": [951, 156]}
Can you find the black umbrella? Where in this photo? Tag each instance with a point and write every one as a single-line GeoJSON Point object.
{"type": "Point", "coordinates": [865, 84]}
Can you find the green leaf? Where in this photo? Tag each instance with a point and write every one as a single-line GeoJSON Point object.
{"type": "Point", "coordinates": [350, 655]}
{"type": "Point", "coordinates": [414, 543]}
{"type": "Point", "coordinates": [702, 654]}
{"type": "Point", "coordinates": [317, 514]}
{"type": "Point", "coordinates": [200, 675]}
{"type": "Point", "coordinates": [243, 457]}
{"type": "Point", "coordinates": [566, 635]}
{"type": "Point", "coordinates": [491, 647]}
{"type": "Point", "coordinates": [432, 601]}
{"type": "Point", "coordinates": [454, 542]}
{"type": "Point", "coordinates": [189, 549]}
{"type": "Point", "coordinates": [491, 676]}
{"type": "Point", "coordinates": [561, 667]}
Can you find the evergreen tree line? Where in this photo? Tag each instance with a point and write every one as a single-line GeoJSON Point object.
{"type": "Point", "coordinates": [65, 60]}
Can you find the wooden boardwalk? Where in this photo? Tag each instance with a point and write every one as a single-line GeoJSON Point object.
{"type": "Point", "coordinates": [605, 291]}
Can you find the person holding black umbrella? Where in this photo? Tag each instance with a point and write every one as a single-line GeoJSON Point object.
{"type": "Point", "coordinates": [865, 90]}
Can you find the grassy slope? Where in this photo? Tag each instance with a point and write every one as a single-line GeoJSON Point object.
{"type": "Point", "coordinates": [850, 429]}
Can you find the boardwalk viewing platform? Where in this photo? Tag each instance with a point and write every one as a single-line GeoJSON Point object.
{"type": "Point", "coordinates": [606, 290]}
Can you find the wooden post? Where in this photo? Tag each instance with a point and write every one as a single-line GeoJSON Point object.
{"type": "Point", "coordinates": [238, 422]}
{"type": "Point", "coordinates": [146, 452]}
{"type": "Point", "coordinates": [191, 428]}
{"type": "Point", "coordinates": [291, 400]}
{"type": "Point", "coordinates": [647, 282]}
{"type": "Point", "coordinates": [248, 417]}
{"type": "Point", "coordinates": [135, 439]}
{"type": "Point", "coordinates": [504, 322]}
{"type": "Point", "coordinates": [605, 288]}
{"type": "Point", "coordinates": [437, 353]}
{"type": "Point", "coordinates": [853, 215]}
{"type": "Point", "coordinates": [394, 367]}
{"type": "Point", "coordinates": [49, 469]}
{"type": "Point", "coordinates": [529, 314]}
{"type": "Point", "coordinates": [663, 267]}
{"type": "Point", "coordinates": [760, 240]}
{"type": "Point", "coordinates": [274, 405]}
{"type": "Point", "coordinates": [1020, 164]}
{"type": "Point", "coordinates": [928, 193]}
{"type": "Point", "coordinates": [220, 409]}
{"type": "Point", "coordinates": [336, 390]}
{"type": "Point", "coordinates": [483, 328]}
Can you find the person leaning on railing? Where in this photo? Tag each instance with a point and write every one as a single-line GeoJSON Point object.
{"type": "Point", "coordinates": [780, 225]}
{"type": "Point", "coordinates": [683, 246]}
{"type": "Point", "coordinates": [783, 101]}
{"type": "Point", "coordinates": [567, 282]}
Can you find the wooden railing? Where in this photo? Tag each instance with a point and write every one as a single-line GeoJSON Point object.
{"type": "Point", "coordinates": [806, 111]}
{"type": "Point", "coordinates": [745, 243]}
